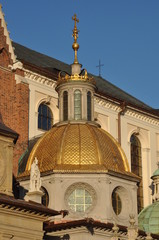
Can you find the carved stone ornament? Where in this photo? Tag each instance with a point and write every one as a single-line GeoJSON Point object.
{"type": "Point", "coordinates": [35, 180]}
{"type": "Point", "coordinates": [85, 186]}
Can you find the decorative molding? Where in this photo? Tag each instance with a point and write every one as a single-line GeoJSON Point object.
{"type": "Point", "coordinates": [129, 112]}
{"type": "Point", "coordinates": [142, 117]}
{"type": "Point", "coordinates": [101, 102]}
{"type": "Point", "coordinates": [20, 79]}
{"type": "Point", "coordinates": [39, 78]}
{"type": "Point", "coordinates": [17, 65]}
{"type": "Point", "coordinates": [106, 104]}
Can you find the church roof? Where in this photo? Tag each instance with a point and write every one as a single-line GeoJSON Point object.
{"type": "Point", "coordinates": [31, 207]}
{"type": "Point", "coordinates": [148, 219]}
{"type": "Point", "coordinates": [156, 173]}
{"type": "Point", "coordinates": [78, 147]}
{"type": "Point", "coordinates": [90, 224]}
{"type": "Point", "coordinates": [53, 65]}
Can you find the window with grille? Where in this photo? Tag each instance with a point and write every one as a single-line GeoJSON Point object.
{"type": "Point", "coordinates": [45, 117]}
{"type": "Point", "coordinates": [80, 200]}
{"type": "Point", "coordinates": [89, 112]}
{"type": "Point", "coordinates": [65, 105]}
{"type": "Point", "coordinates": [116, 202]}
{"type": "Point", "coordinates": [45, 197]}
{"type": "Point", "coordinates": [77, 105]}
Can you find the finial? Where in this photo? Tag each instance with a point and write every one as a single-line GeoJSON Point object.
{"type": "Point", "coordinates": [75, 45]}
{"type": "Point", "coordinates": [115, 232]}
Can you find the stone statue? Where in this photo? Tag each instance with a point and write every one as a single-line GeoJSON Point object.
{"type": "Point", "coordinates": [35, 180]}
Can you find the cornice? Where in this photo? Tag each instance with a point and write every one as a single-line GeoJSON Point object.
{"type": "Point", "coordinates": [129, 112]}
{"type": "Point", "coordinates": [35, 77]}
{"type": "Point", "coordinates": [107, 104]}
{"type": "Point", "coordinates": [143, 117]}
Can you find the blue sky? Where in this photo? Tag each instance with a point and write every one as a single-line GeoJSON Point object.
{"type": "Point", "coordinates": [123, 34]}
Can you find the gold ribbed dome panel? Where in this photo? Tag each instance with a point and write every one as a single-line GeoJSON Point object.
{"type": "Point", "coordinates": [78, 147]}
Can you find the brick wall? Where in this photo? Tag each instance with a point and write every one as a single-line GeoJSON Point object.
{"type": "Point", "coordinates": [14, 101]}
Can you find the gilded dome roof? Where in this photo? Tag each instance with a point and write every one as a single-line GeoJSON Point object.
{"type": "Point", "coordinates": [77, 148]}
{"type": "Point", "coordinates": [148, 219]}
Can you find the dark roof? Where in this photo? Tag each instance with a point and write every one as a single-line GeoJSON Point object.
{"type": "Point", "coordinates": [39, 59]}
{"type": "Point", "coordinates": [90, 224]}
{"type": "Point", "coordinates": [6, 131]}
{"type": "Point", "coordinates": [30, 206]}
{"type": "Point", "coordinates": [50, 64]}
{"type": "Point", "coordinates": [107, 88]}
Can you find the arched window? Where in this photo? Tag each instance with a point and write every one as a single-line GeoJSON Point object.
{"type": "Point", "coordinates": [89, 112]}
{"type": "Point", "coordinates": [45, 197]}
{"type": "Point", "coordinates": [65, 105]}
{"type": "Point", "coordinates": [136, 167]}
{"type": "Point", "coordinates": [45, 117]}
{"type": "Point", "coordinates": [77, 104]}
{"type": "Point", "coordinates": [116, 202]}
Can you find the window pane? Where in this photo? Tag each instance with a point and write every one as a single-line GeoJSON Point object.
{"type": "Point", "coordinates": [45, 117]}
{"type": "Point", "coordinates": [116, 202]}
{"type": "Point", "coordinates": [89, 106]}
{"type": "Point", "coordinates": [77, 105]}
{"type": "Point", "coordinates": [88, 200]}
{"type": "Point", "coordinates": [79, 208]}
{"type": "Point", "coordinates": [45, 197]}
{"type": "Point", "coordinates": [79, 200]}
{"type": "Point", "coordinates": [65, 105]}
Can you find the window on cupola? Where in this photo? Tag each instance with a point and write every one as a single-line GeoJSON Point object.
{"type": "Point", "coordinates": [45, 197]}
{"type": "Point", "coordinates": [80, 200]}
{"type": "Point", "coordinates": [136, 167]}
{"type": "Point", "coordinates": [45, 117]}
{"type": "Point", "coordinates": [89, 112]}
{"type": "Point", "coordinates": [65, 106]}
{"type": "Point", "coordinates": [77, 105]}
{"type": "Point", "coordinates": [116, 202]}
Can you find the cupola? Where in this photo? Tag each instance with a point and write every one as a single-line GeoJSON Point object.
{"type": "Point", "coordinates": [155, 178]}
{"type": "Point", "coordinates": [76, 91]}
{"type": "Point", "coordinates": [149, 217]}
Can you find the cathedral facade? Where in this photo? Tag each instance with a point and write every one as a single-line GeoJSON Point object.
{"type": "Point", "coordinates": [96, 145]}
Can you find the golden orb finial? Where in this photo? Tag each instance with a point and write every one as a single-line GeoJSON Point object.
{"type": "Point", "coordinates": [75, 45]}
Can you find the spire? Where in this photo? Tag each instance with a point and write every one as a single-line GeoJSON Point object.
{"type": "Point", "coordinates": [75, 45]}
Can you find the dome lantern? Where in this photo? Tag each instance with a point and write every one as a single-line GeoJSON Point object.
{"type": "Point", "coordinates": [76, 91]}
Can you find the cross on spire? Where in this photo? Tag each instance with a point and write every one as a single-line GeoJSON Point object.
{"type": "Point", "coordinates": [75, 45]}
{"type": "Point", "coordinates": [75, 19]}
{"type": "Point", "coordinates": [99, 66]}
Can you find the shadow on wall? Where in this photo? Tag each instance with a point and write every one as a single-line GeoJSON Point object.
{"type": "Point", "coordinates": [64, 237]}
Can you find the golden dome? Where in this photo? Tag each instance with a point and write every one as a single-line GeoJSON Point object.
{"type": "Point", "coordinates": [78, 148]}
